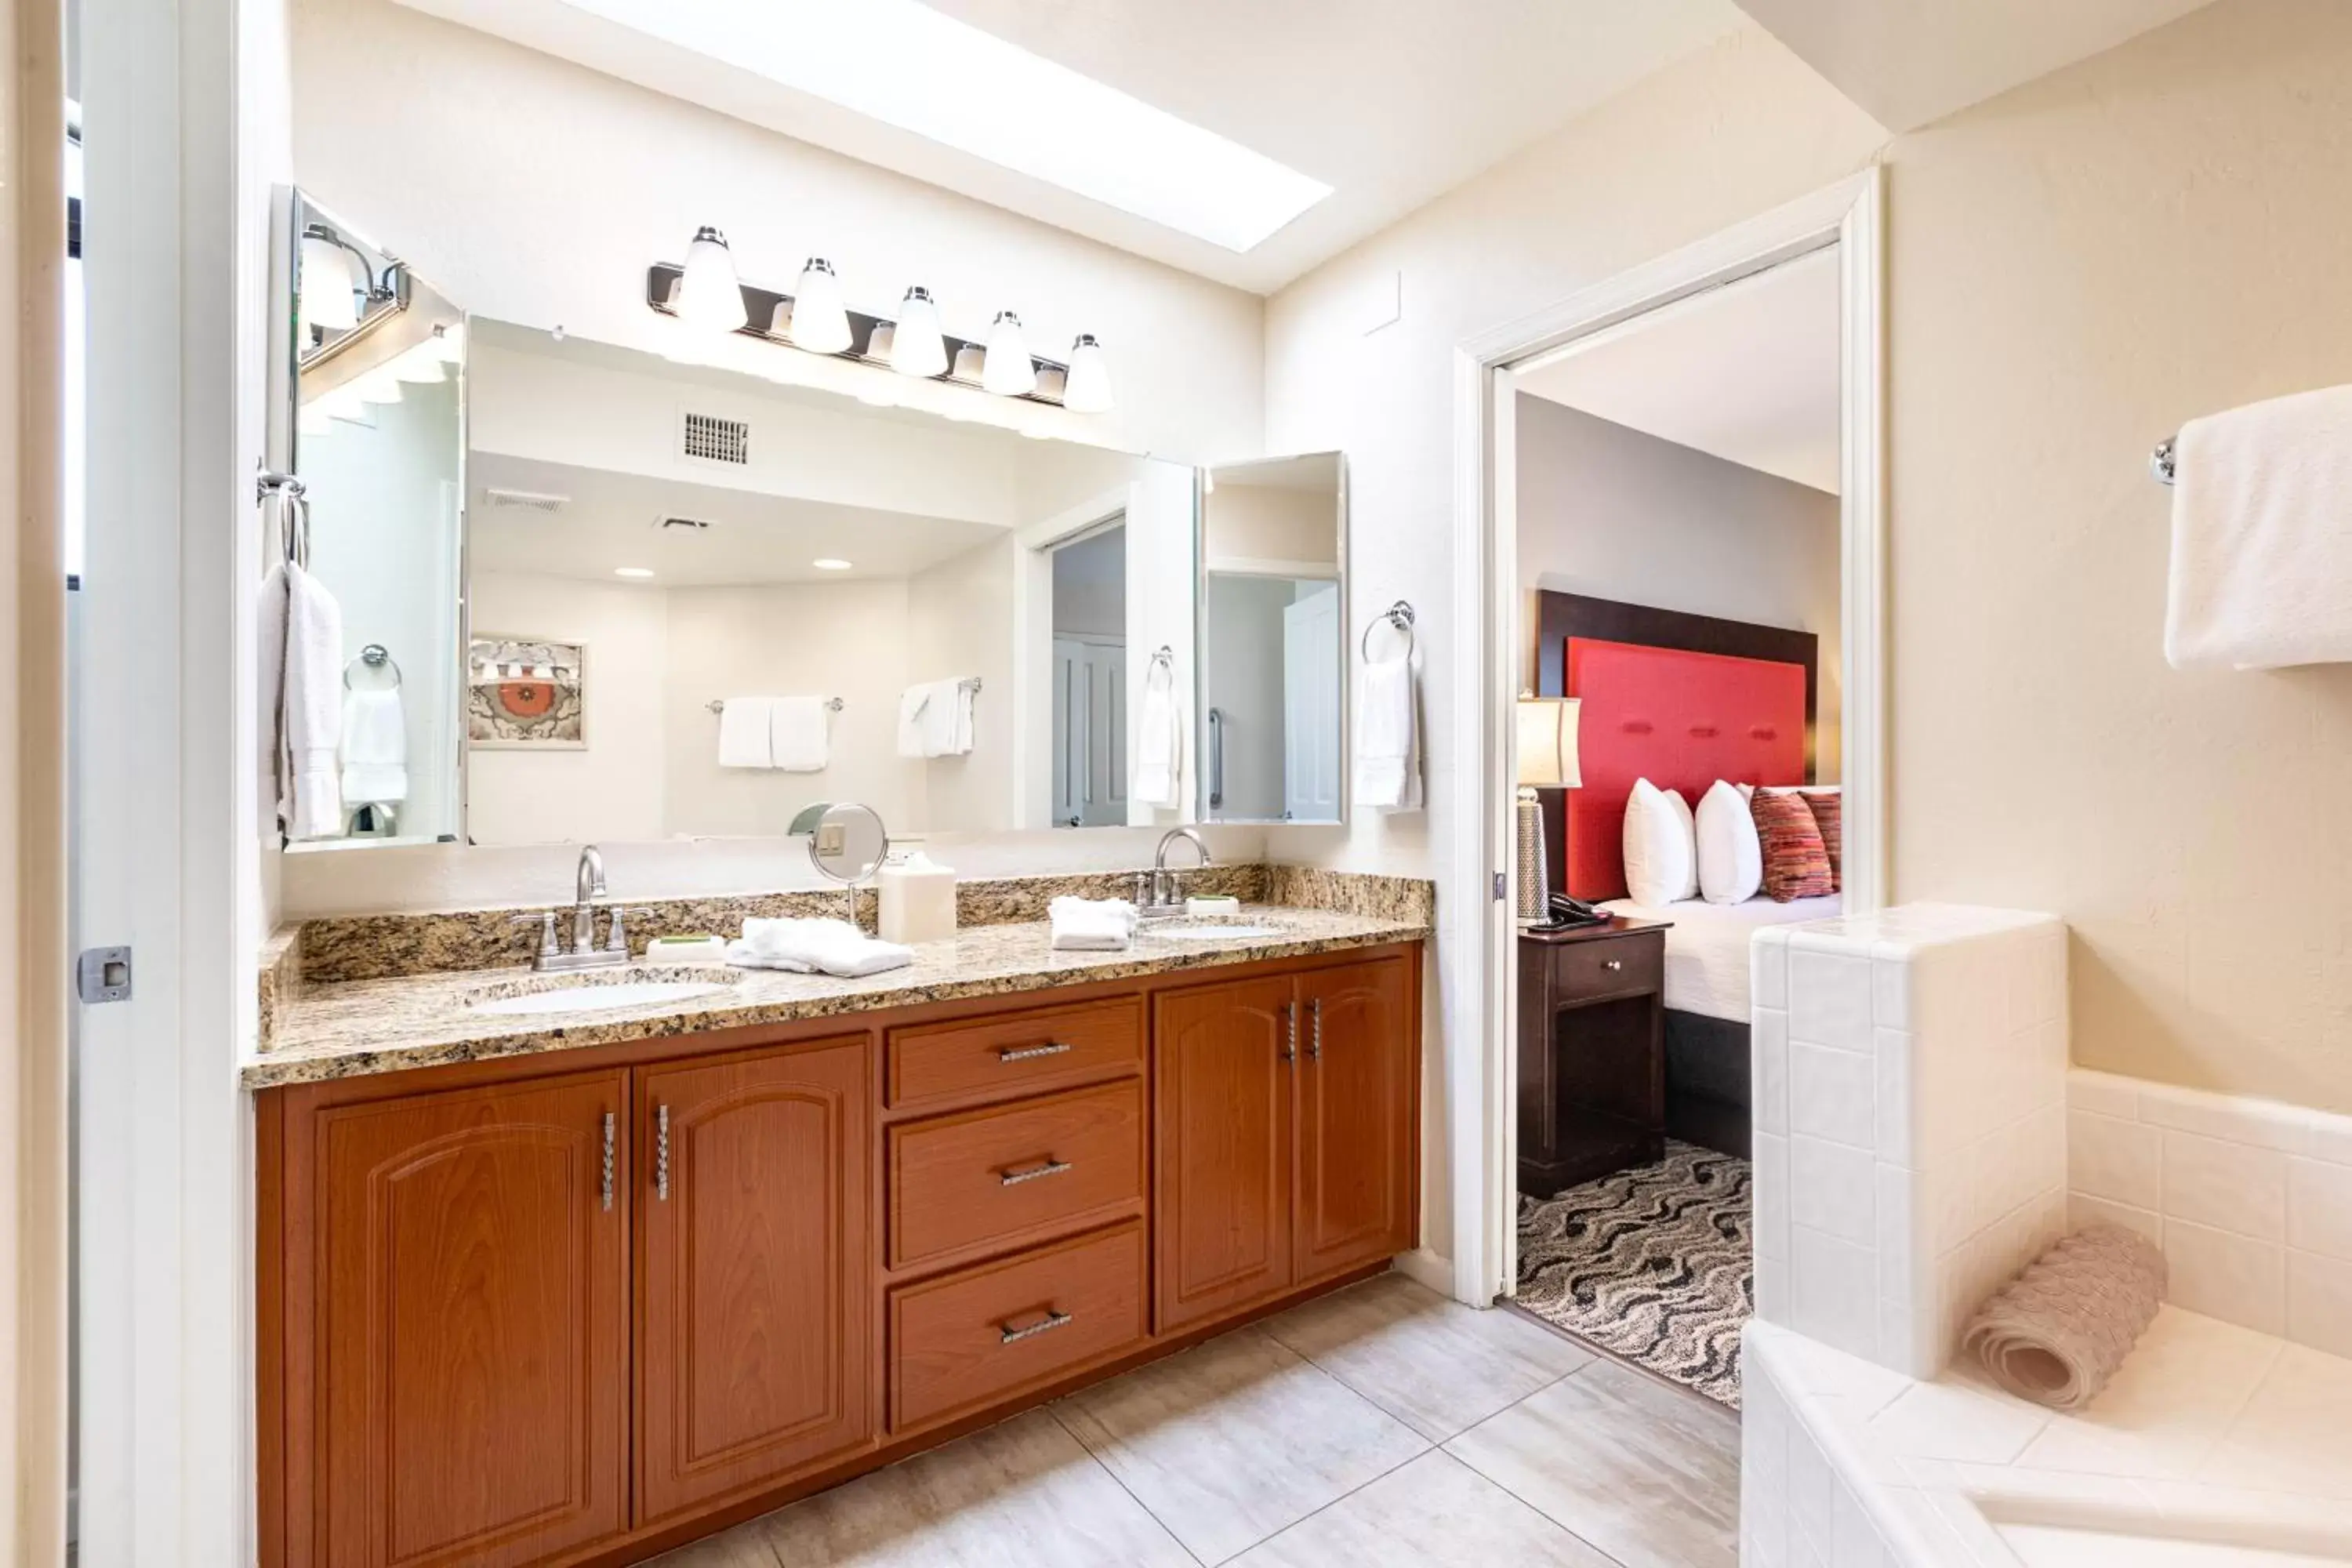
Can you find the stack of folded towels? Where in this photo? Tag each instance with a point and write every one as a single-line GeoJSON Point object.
{"type": "Point", "coordinates": [815, 947]}
{"type": "Point", "coordinates": [1092, 925]}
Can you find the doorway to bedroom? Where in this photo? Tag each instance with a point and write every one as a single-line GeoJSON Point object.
{"type": "Point", "coordinates": [1674, 504]}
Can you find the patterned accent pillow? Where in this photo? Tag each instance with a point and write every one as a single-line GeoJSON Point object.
{"type": "Point", "coordinates": [1796, 862]}
{"type": "Point", "coordinates": [1829, 815]}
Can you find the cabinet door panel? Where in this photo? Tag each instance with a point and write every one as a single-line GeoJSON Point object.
{"type": "Point", "coordinates": [757, 1304]}
{"type": "Point", "coordinates": [1223, 1067]}
{"type": "Point", "coordinates": [474, 1327]}
{"type": "Point", "coordinates": [1357, 1174]}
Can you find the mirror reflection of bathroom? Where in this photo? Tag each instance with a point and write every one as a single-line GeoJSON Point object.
{"type": "Point", "coordinates": [1090, 679]}
{"type": "Point", "coordinates": [378, 446]}
{"type": "Point", "coordinates": [1273, 639]}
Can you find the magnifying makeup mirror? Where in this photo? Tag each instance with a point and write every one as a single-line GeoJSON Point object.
{"type": "Point", "coordinates": [847, 844]}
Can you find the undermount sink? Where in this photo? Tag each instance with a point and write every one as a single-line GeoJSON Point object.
{"type": "Point", "coordinates": [1211, 933]}
{"type": "Point", "coordinates": [599, 993]}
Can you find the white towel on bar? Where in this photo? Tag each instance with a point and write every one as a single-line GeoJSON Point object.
{"type": "Point", "coordinates": [935, 718]}
{"type": "Point", "coordinates": [302, 671]}
{"type": "Point", "coordinates": [815, 947]}
{"type": "Point", "coordinates": [2262, 536]}
{"type": "Point", "coordinates": [1159, 746]}
{"type": "Point", "coordinates": [375, 747]}
{"type": "Point", "coordinates": [1388, 737]}
{"type": "Point", "coordinates": [797, 734]}
{"type": "Point", "coordinates": [744, 733]}
{"type": "Point", "coordinates": [1092, 925]}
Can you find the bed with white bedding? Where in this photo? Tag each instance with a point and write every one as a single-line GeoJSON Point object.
{"type": "Point", "coordinates": [1706, 951]}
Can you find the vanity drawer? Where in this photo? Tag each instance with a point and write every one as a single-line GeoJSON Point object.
{"type": "Point", "coordinates": [1614, 966]}
{"type": "Point", "coordinates": [971, 1339]}
{"type": "Point", "coordinates": [1013, 1053]}
{"type": "Point", "coordinates": [1010, 1171]}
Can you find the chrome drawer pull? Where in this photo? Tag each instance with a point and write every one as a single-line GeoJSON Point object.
{"type": "Point", "coordinates": [1007, 1334]}
{"type": "Point", "coordinates": [1051, 1167]}
{"type": "Point", "coordinates": [609, 1120]}
{"type": "Point", "coordinates": [1612, 964]}
{"type": "Point", "coordinates": [661, 1153]}
{"type": "Point", "coordinates": [1029, 1052]}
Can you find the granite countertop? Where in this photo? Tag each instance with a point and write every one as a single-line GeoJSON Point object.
{"type": "Point", "coordinates": [360, 1027]}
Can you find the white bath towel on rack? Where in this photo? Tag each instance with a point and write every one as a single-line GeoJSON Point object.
{"type": "Point", "coordinates": [301, 664]}
{"type": "Point", "coordinates": [935, 718]}
{"type": "Point", "coordinates": [745, 733]}
{"type": "Point", "coordinates": [2262, 536]}
{"type": "Point", "coordinates": [1388, 737]}
{"type": "Point", "coordinates": [1158, 743]}
{"type": "Point", "coordinates": [798, 736]}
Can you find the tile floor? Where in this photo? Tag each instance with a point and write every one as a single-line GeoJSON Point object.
{"type": "Point", "coordinates": [1384, 1425]}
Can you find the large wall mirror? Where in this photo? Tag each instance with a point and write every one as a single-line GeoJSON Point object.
{"type": "Point", "coordinates": [621, 596]}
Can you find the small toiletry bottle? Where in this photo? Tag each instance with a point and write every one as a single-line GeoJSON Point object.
{"type": "Point", "coordinates": [918, 895]}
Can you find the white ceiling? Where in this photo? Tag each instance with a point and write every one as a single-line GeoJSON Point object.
{"type": "Point", "coordinates": [1907, 62]}
{"type": "Point", "coordinates": [1392, 102]}
{"type": "Point", "coordinates": [1748, 372]}
{"type": "Point", "coordinates": [608, 521]}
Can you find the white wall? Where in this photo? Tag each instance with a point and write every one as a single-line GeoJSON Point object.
{"type": "Point", "coordinates": [1609, 512]}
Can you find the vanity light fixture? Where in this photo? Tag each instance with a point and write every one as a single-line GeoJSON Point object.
{"type": "Point", "coordinates": [919, 348]}
{"type": "Point", "coordinates": [820, 321]}
{"type": "Point", "coordinates": [1006, 369]}
{"type": "Point", "coordinates": [632, 571]}
{"type": "Point", "coordinates": [830, 564]}
{"type": "Point", "coordinates": [1087, 387]}
{"type": "Point", "coordinates": [970, 365]}
{"type": "Point", "coordinates": [710, 297]}
{"type": "Point", "coordinates": [327, 295]}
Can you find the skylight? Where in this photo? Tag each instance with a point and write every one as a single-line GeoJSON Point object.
{"type": "Point", "coordinates": [911, 67]}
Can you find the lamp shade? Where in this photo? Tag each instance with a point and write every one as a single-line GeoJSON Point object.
{"type": "Point", "coordinates": [1007, 370]}
{"type": "Point", "coordinates": [1547, 743]}
{"type": "Point", "coordinates": [710, 297]}
{"type": "Point", "coordinates": [917, 348]}
{"type": "Point", "coordinates": [326, 293]}
{"type": "Point", "coordinates": [1087, 389]}
{"type": "Point", "coordinates": [820, 321]}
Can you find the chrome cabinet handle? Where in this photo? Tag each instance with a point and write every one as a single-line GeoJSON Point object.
{"type": "Point", "coordinates": [1314, 1035]}
{"type": "Point", "coordinates": [661, 1153]}
{"type": "Point", "coordinates": [1051, 1167]}
{"type": "Point", "coordinates": [1289, 1031]}
{"type": "Point", "coordinates": [1612, 964]}
{"type": "Point", "coordinates": [609, 1130]}
{"type": "Point", "coordinates": [1008, 1335]}
{"type": "Point", "coordinates": [1030, 1053]}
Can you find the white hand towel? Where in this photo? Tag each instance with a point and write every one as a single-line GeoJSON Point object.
{"type": "Point", "coordinates": [1158, 747]}
{"type": "Point", "coordinates": [2262, 536]}
{"type": "Point", "coordinates": [1094, 925]}
{"type": "Point", "coordinates": [744, 733]}
{"type": "Point", "coordinates": [815, 946]}
{"type": "Point", "coordinates": [935, 718]}
{"type": "Point", "coordinates": [797, 734]}
{"type": "Point", "coordinates": [375, 747]}
{"type": "Point", "coordinates": [301, 672]}
{"type": "Point", "coordinates": [1388, 737]}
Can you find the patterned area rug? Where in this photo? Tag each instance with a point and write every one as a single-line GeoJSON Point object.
{"type": "Point", "coordinates": [1653, 1264]}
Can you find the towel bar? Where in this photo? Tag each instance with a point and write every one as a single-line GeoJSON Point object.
{"type": "Point", "coordinates": [718, 705]}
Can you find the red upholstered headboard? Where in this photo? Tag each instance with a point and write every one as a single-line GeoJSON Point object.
{"type": "Point", "coordinates": [1679, 699]}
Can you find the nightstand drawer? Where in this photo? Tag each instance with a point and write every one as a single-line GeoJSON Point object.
{"type": "Point", "coordinates": [1611, 967]}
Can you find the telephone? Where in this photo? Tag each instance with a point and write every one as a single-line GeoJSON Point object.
{"type": "Point", "coordinates": [1565, 912]}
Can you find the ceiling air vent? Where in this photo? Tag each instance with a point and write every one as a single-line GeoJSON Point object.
{"type": "Point", "coordinates": [707, 438]}
{"type": "Point", "coordinates": [524, 501]}
{"type": "Point", "coordinates": [681, 525]}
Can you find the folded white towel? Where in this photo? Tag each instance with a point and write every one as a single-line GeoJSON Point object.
{"type": "Point", "coordinates": [302, 671]}
{"type": "Point", "coordinates": [798, 735]}
{"type": "Point", "coordinates": [1094, 925]}
{"type": "Point", "coordinates": [375, 747]}
{"type": "Point", "coordinates": [1158, 743]}
{"type": "Point", "coordinates": [745, 725]}
{"type": "Point", "coordinates": [2262, 536]}
{"type": "Point", "coordinates": [815, 946]}
{"type": "Point", "coordinates": [1388, 737]}
{"type": "Point", "coordinates": [935, 718]}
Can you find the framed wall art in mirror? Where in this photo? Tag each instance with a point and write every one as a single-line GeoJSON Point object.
{"type": "Point", "coordinates": [526, 693]}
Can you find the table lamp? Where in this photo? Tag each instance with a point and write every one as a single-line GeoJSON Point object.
{"type": "Point", "coordinates": [1546, 726]}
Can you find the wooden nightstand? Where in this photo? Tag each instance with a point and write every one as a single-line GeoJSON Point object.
{"type": "Point", "coordinates": [1592, 1052]}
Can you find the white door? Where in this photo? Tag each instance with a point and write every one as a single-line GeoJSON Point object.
{"type": "Point", "coordinates": [1311, 706]}
{"type": "Point", "coordinates": [1070, 732]}
{"type": "Point", "coordinates": [1089, 733]}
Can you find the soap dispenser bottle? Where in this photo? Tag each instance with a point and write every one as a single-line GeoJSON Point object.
{"type": "Point", "coordinates": [918, 895]}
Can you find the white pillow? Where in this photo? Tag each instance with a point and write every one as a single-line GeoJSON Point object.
{"type": "Point", "coordinates": [1661, 846]}
{"type": "Point", "coordinates": [1730, 855]}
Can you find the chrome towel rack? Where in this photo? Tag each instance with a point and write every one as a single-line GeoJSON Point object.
{"type": "Point", "coordinates": [2162, 464]}
{"type": "Point", "coordinates": [375, 656]}
{"type": "Point", "coordinates": [1398, 615]}
{"type": "Point", "coordinates": [718, 705]}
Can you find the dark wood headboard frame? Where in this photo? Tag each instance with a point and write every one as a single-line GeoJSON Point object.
{"type": "Point", "coordinates": [1559, 616]}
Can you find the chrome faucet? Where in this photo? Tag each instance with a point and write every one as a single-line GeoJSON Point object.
{"type": "Point", "coordinates": [1163, 896]}
{"type": "Point", "coordinates": [588, 886]}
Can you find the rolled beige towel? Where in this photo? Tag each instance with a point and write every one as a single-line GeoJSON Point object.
{"type": "Point", "coordinates": [2058, 1331]}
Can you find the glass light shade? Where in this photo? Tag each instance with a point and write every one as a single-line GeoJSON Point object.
{"type": "Point", "coordinates": [327, 296]}
{"type": "Point", "coordinates": [1087, 390]}
{"type": "Point", "coordinates": [1546, 729]}
{"type": "Point", "coordinates": [820, 321]}
{"type": "Point", "coordinates": [1008, 372]}
{"type": "Point", "coordinates": [449, 343]}
{"type": "Point", "coordinates": [917, 348]}
{"type": "Point", "coordinates": [879, 342]}
{"type": "Point", "coordinates": [710, 297]}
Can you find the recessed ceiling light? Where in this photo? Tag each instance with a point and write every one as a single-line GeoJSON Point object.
{"type": "Point", "coordinates": [632, 571]}
{"type": "Point", "coordinates": [910, 67]}
{"type": "Point", "coordinates": [830, 564]}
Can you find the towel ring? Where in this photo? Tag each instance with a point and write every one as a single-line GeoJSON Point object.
{"type": "Point", "coordinates": [375, 656]}
{"type": "Point", "coordinates": [1163, 658]}
{"type": "Point", "coordinates": [1399, 615]}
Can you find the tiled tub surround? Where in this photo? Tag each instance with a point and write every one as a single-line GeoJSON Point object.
{"type": "Point", "coordinates": [2214, 1446]}
{"type": "Point", "coordinates": [2250, 1200]}
{"type": "Point", "coordinates": [366, 1027]}
{"type": "Point", "coordinates": [1910, 1146]}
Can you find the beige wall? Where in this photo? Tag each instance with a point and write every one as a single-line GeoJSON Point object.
{"type": "Point", "coordinates": [2076, 269]}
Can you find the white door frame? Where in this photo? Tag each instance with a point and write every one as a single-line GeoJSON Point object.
{"type": "Point", "coordinates": [1480, 1016]}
